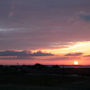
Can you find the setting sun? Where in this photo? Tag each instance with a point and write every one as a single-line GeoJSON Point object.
{"type": "Point", "coordinates": [76, 63]}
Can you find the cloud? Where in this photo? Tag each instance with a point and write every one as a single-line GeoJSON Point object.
{"type": "Point", "coordinates": [74, 54]}
{"type": "Point", "coordinates": [37, 24]}
{"type": "Point", "coordinates": [39, 53]}
{"type": "Point", "coordinates": [85, 17]}
{"type": "Point", "coordinates": [13, 53]}
{"type": "Point", "coordinates": [87, 56]}
{"type": "Point", "coordinates": [57, 58]}
{"type": "Point", "coordinates": [24, 53]}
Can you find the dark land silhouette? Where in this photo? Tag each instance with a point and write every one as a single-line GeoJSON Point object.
{"type": "Point", "coordinates": [44, 77]}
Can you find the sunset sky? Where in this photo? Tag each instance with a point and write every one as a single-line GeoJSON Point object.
{"type": "Point", "coordinates": [58, 27]}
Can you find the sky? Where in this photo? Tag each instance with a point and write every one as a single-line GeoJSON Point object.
{"type": "Point", "coordinates": [59, 27]}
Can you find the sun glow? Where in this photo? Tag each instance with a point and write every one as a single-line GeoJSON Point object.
{"type": "Point", "coordinates": [76, 63]}
{"type": "Point", "coordinates": [83, 47]}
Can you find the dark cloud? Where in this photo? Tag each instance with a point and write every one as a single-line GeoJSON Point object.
{"type": "Point", "coordinates": [39, 53]}
{"type": "Point", "coordinates": [58, 58]}
{"type": "Point", "coordinates": [24, 53]}
{"type": "Point", "coordinates": [14, 53]}
{"type": "Point", "coordinates": [74, 54]}
{"type": "Point", "coordinates": [87, 56]}
{"type": "Point", "coordinates": [85, 17]}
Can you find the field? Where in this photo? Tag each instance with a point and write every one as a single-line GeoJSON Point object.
{"type": "Point", "coordinates": [42, 78]}
{"type": "Point", "coordinates": [84, 85]}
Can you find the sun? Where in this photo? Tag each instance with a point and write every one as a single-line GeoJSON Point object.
{"type": "Point", "coordinates": [76, 63]}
